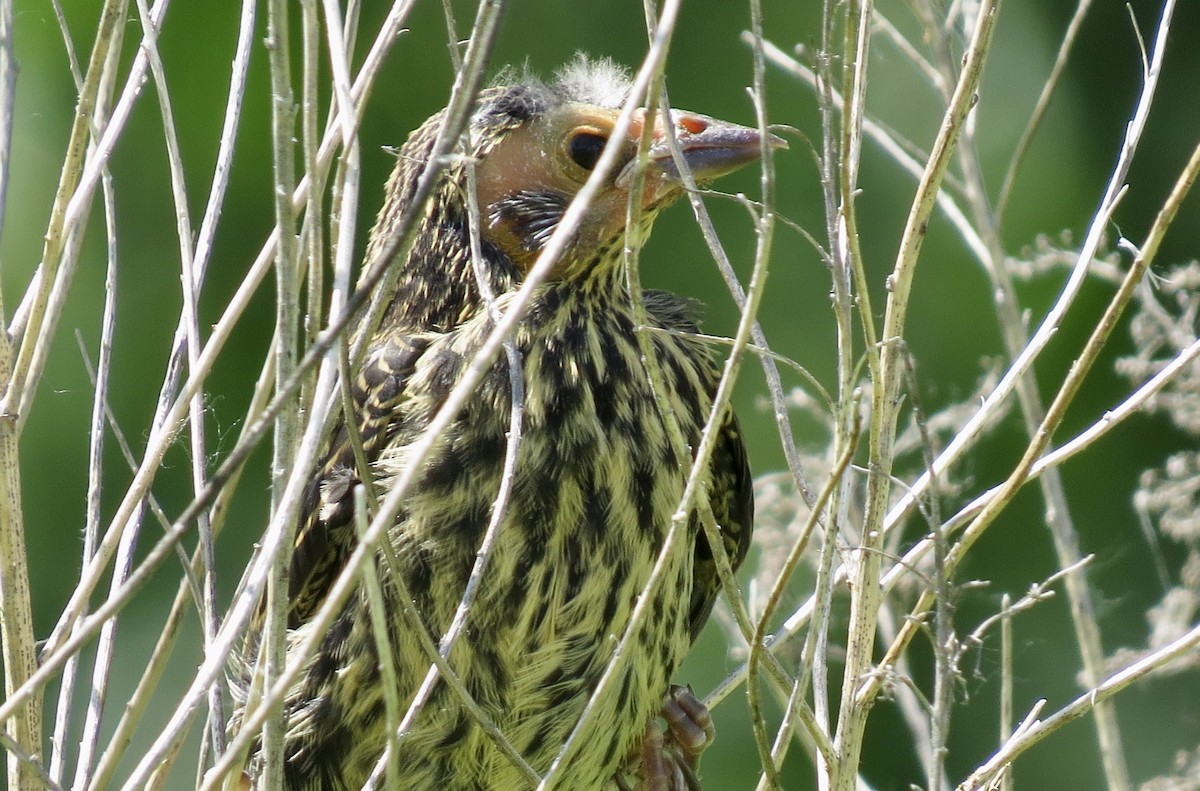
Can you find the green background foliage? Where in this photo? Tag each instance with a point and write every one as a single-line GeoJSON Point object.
{"type": "Point", "coordinates": [952, 334]}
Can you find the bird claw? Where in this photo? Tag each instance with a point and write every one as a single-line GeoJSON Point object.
{"type": "Point", "coordinates": [668, 761]}
{"type": "Point", "coordinates": [689, 723]}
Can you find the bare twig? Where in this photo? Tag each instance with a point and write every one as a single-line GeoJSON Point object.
{"type": "Point", "coordinates": [884, 404]}
{"type": "Point", "coordinates": [1035, 730]}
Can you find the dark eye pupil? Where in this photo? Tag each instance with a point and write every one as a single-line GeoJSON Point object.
{"type": "Point", "coordinates": [585, 149]}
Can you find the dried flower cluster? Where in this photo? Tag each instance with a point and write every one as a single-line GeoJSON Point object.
{"type": "Point", "coordinates": [1168, 497]}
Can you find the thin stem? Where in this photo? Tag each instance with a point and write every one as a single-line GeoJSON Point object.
{"type": "Point", "coordinates": [1034, 732]}
{"type": "Point", "coordinates": [508, 473]}
{"type": "Point", "coordinates": [1016, 337]}
{"type": "Point", "coordinates": [162, 438]}
{"type": "Point", "coordinates": [42, 313]}
{"type": "Point", "coordinates": [866, 591]}
{"type": "Point", "coordinates": [1006, 680]}
{"type": "Point", "coordinates": [1022, 473]}
{"type": "Point", "coordinates": [378, 612]}
{"type": "Point", "coordinates": [287, 304]}
{"type": "Point", "coordinates": [66, 691]}
{"type": "Point", "coordinates": [1043, 103]}
{"type": "Point", "coordinates": [772, 755]}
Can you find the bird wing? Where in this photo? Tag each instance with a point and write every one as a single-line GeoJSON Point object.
{"type": "Point", "coordinates": [731, 495]}
{"type": "Point", "coordinates": [326, 537]}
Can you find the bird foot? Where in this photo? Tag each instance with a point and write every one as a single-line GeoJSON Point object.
{"type": "Point", "coordinates": [689, 723]}
{"type": "Point", "coordinates": [667, 761]}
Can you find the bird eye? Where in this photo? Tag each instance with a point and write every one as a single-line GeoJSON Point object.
{"type": "Point", "coordinates": [585, 149]}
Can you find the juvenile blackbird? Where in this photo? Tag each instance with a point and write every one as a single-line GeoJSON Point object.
{"type": "Point", "coordinates": [597, 477]}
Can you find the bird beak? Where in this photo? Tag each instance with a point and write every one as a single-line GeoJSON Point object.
{"type": "Point", "coordinates": [710, 147]}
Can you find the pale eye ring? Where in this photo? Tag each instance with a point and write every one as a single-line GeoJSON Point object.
{"type": "Point", "coordinates": [585, 149]}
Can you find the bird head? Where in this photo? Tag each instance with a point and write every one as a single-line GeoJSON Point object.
{"type": "Point", "coordinates": [533, 145]}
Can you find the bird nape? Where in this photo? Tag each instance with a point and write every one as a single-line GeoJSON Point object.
{"type": "Point", "coordinates": [597, 476]}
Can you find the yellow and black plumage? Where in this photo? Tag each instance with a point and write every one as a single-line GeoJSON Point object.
{"type": "Point", "coordinates": [597, 478]}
